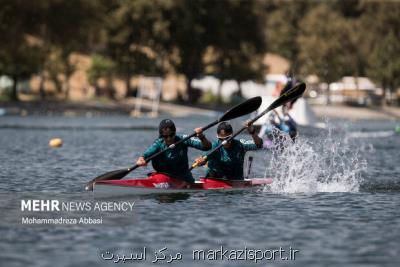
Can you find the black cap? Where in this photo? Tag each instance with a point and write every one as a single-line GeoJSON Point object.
{"type": "Point", "coordinates": [225, 126]}
{"type": "Point", "coordinates": [167, 123]}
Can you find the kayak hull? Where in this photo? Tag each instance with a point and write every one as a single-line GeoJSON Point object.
{"type": "Point", "coordinates": [134, 187]}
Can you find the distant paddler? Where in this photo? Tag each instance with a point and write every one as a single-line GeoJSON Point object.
{"type": "Point", "coordinates": [285, 123]}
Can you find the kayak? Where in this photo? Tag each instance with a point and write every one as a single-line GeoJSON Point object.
{"type": "Point", "coordinates": [161, 184]}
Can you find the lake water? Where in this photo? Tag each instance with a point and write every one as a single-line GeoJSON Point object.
{"type": "Point", "coordinates": [335, 199]}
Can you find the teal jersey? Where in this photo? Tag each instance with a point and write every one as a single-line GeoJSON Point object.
{"type": "Point", "coordinates": [173, 161]}
{"type": "Point", "coordinates": [228, 162]}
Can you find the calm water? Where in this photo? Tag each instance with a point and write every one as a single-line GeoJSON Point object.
{"type": "Point", "coordinates": [350, 219]}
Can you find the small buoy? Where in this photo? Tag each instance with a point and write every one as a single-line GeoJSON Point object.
{"type": "Point", "coordinates": [56, 142]}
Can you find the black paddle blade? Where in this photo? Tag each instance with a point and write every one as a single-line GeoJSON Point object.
{"type": "Point", "coordinates": [113, 175]}
{"type": "Point", "coordinates": [244, 108]}
{"type": "Point", "coordinates": [294, 93]}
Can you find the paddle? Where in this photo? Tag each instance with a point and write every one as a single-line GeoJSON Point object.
{"type": "Point", "coordinates": [292, 94]}
{"type": "Point", "coordinates": [239, 110]}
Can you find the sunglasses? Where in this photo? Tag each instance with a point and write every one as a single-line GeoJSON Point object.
{"type": "Point", "coordinates": [168, 135]}
{"type": "Point", "coordinates": [224, 138]}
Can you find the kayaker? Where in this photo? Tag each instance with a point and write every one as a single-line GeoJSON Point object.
{"type": "Point", "coordinates": [227, 162]}
{"type": "Point", "coordinates": [174, 161]}
{"type": "Point", "coordinates": [284, 124]}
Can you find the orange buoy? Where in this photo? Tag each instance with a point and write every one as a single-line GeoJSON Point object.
{"type": "Point", "coordinates": [56, 142]}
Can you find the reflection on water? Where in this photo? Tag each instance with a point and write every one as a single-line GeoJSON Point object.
{"type": "Point", "coordinates": [336, 228]}
{"type": "Point", "coordinates": [172, 198]}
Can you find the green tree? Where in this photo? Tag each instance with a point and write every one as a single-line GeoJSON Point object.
{"type": "Point", "coordinates": [137, 38]}
{"type": "Point", "coordinates": [102, 67]}
{"type": "Point", "coordinates": [385, 62]}
{"type": "Point", "coordinates": [238, 51]}
{"type": "Point", "coordinates": [66, 27]}
{"type": "Point", "coordinates": [282, 27]}
{"type": "Point", "coordinates": [381, 45]}
{"type": "Point", "coordinates": [322, 49]}
{"type": "Point", "coordinates": [189, 39]}
{"type": "Point", "coordinates": [19, 55]}
{"type": "Point", "coordinates": [19, 62]}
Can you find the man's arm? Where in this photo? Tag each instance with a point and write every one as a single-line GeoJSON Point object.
{"type": "Point", "coordinates": [201, 142]}
{"type": "Point", "coordinates": [151, 150]}
{"type": "Point", "coordinates": [252, 131]}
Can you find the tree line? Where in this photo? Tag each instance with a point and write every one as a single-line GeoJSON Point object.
{"type": "Point", "coordinates": [225, 38]}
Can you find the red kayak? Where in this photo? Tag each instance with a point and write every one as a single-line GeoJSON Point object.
{"type": "Point", "coordinates": [163, 184]}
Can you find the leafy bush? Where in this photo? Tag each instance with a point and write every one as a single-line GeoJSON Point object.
{"type": "Point", "coordinates": [208, 98]}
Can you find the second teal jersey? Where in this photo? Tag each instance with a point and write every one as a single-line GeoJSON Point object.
{"type": "Point", "coordinates": [228, 162]}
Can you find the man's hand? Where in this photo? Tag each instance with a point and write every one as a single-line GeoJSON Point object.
{"type": "Point", "coordinates": [200, 161]}
{"type": "Point", "coordinates": [250, 127]}
{"type": "Point", "coordinates": [141, 161]}
{"type": "Point", "coordinates": [199, 133]}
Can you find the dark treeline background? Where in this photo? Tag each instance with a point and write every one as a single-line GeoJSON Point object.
{"type": "Point", "coordinates": [225, 38]}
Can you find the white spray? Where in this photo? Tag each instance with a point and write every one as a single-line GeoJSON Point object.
{"type": "Point", "coordinates": [325, 165]}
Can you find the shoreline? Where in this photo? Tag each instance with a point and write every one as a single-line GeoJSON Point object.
{"type": "Point", "coordinates": [95, 108]}
{"type": "Point", "coordinates": [356, 113]}
{"type": "Point", "coordinates": [126, 108]}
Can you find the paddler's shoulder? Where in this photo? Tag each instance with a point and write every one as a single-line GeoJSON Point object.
{"type": "Point", "coordinates": [158, 141]}
{"type": "Point", "coordinates": [217, 142]}
{"type": "Point", "coordinates": [245, 142]}
{"type": "Point", "coordinates": [180, 136]}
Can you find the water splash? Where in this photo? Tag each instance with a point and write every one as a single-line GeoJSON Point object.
{"type": "Point", "coordinates": [325, 164]}
{"type": "Point", "coordinates": [374, 134]}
